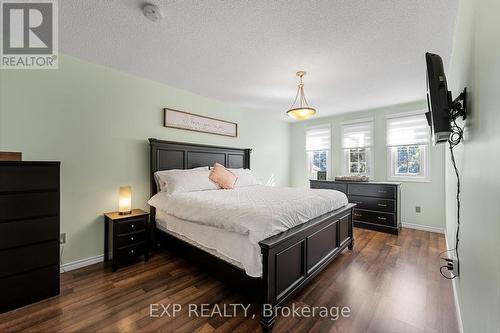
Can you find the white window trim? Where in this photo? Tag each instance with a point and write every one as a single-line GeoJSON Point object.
{"type": "Point", "coordinates": [404, 114]}
{"type": "Point", "coordinates": [427, 154]}
{"type": "Point", "coordinates": [328, 151]}
{"type": "Point", "coordinates": [345, 153]}
{"type": "Point", "coordinates": [355, 121]}
{"type": "Point", "coordinates": [327, 125]}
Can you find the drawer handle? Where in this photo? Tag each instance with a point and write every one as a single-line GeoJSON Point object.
{"type": "Point", "coordinates": [131, 238]}
{"type": "Point", "coordinates": [358, 215]}
{"type": "Point", "coordinates": [382, 191]}
{"type": "Point", "coordinates": [132, 226]}
{"type": "Point", "coordinates": [381, 205]}
{"type": "Point", "coordinates": [382, 218]}
{"type": "Point", "coordinates": [358, 202]}
{"type": "Point", "coordinates": [131, 251]}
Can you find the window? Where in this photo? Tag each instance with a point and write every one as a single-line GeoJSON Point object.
{"type": "Point", "coordinates": [357, 161]}
{"type": "Point", "coordinates": [318, 150]}
{"type": "Point", "coordinates": [357, 145]}
{"type": "Point", "coordinates": [408, 140]}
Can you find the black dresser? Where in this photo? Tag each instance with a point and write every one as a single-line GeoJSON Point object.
{"type": "Point", "coordinates": [29, 232]}
{"type": "Point", "coordinates": [378, 204]}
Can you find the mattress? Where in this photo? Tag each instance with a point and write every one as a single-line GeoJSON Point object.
{"type": "Point", "coordinates": [231, 247]}
{"type": "Point", "coordinates": [258, 212]}
{"type": "Point", "coordinates": [230, 223]}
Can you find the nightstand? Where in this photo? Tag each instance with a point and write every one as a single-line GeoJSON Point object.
{"type": "Point", "coordinates": [130, 236]}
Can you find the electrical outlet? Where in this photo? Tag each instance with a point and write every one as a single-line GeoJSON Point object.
{"type": "Point", "coordinates": [456, 267]}
{"type": "Point", "coordinates": [62, 238]}
{"type": "Point", "coordinates": [453, 265]}
{"type": "Point", "coordinates": [418, 209]}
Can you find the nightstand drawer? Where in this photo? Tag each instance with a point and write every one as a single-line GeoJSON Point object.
{"type": "Point", "coordinates": [373, 217]}
{"type": "Point", "coordinates": [131, 238]}
{"type": "Point", "coordinates": [131, 251]}
{"type": "Point", "coordinates": [130, 225]}
{"type": "Point", "coordinates": [371, 203]}
{"type": "Point", "coordinates": [373, 190]}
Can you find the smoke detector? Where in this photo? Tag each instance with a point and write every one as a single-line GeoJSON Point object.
{"type": "Point", "coordinates": [152, 12]}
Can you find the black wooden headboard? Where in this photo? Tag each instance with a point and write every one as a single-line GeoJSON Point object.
{"type": "Point", "coordinates": [167, 155]}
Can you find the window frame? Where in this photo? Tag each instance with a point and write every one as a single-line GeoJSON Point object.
{"type": "Point", "coordinates": [309, 174]}
{"type": "Point", "coordinates": [425, 151]}
{"type": "Point", "coordinates": [368, 161]}
{"type": "Point", "coordinates": [423, 177]}
{"type": "Point", "coordinates": [346, 159]}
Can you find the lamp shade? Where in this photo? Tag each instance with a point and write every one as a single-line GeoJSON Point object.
{"type": "Point", "coordinates": [125, 200]}
{"type": "Point", "coordinates": [301, 113]}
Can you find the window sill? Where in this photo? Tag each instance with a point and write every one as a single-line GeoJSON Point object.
{"type": "Point", "coordinates": [409, 180]}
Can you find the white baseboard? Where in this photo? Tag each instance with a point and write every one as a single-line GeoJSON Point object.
{"type": "Point", "coordinates": [81, 263]}
{"type": "Point", "coordinates": [423, 227]}
{"type": "Point", "coordinates": [455, 296]}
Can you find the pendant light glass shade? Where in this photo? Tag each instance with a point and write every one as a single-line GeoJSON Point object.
{"type": "Point", "coordinates": [300, 110]}
{"type": "Point", "coordinates": [301, 113]}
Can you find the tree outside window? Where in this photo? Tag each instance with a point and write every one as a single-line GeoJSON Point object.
{"type": "Point", "coordinates": [408, 161]}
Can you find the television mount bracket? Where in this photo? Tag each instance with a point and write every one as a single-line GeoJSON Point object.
{"type": "Point", "coordinates": [458, 107]}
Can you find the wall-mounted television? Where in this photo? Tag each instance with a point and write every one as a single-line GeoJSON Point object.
{"type": "Point", "coordinates": [442, 109]}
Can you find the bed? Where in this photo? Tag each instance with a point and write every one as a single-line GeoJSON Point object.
{"type": "Point", "coordinates": [273, 260]}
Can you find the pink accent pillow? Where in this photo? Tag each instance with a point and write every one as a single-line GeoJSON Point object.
{"type": "Point", "coordinates": [222, 176]}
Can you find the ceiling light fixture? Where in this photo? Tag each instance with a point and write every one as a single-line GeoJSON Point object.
{"type": "Point", "coordinates": [302, 110]}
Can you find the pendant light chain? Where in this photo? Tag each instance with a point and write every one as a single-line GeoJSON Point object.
{"type": "Point", "coordinates": [300, 92]}
{"type": "Point", "coordinates": [295, 100]}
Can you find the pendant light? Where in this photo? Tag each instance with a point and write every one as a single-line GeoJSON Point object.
{"type": "Point", "coordinates": [301, 110]}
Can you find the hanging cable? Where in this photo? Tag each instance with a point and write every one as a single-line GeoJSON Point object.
{"type": "Point", "coordinates": [455, 138]}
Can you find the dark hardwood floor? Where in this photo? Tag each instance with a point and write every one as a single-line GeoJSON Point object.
{"type": "Point", "coordinates": [390, 283]}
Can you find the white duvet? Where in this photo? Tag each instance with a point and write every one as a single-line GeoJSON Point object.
{"type": "Point", "coordinates": [257, 211]}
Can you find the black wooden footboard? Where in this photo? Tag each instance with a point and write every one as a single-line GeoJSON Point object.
{"type": "Point", "coordinates": [294, 257]}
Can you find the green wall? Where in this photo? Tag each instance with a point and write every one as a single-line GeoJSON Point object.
{"type": "Point", "coordinates": [475, 64]}
{"type": "Point", "coordinates": [96, 120]}
{"type": "Point", "coordinates": [430, 196]}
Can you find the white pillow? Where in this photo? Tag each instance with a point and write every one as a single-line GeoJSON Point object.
{"type": "Point", "coordinates": [161, 184]}
{"type": "Point", "coordinates": [245, 177]}
{"type": "Point", "coordinates": [188, 181]}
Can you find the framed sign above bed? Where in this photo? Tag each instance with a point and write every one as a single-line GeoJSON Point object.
{"type": "Point", "coordinates": [193, 122]}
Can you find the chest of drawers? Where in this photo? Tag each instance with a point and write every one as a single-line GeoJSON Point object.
{"type": "Point", "coordinates": [378, 204]}
{"type": "Point", "coordinates": [29, 232]}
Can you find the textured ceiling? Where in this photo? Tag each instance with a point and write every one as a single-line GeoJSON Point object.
{"type": "Point", "coordinates": [358, 54]}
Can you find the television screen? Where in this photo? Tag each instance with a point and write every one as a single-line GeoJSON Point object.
{"type": "Point", "coordinates": [438, 99]}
